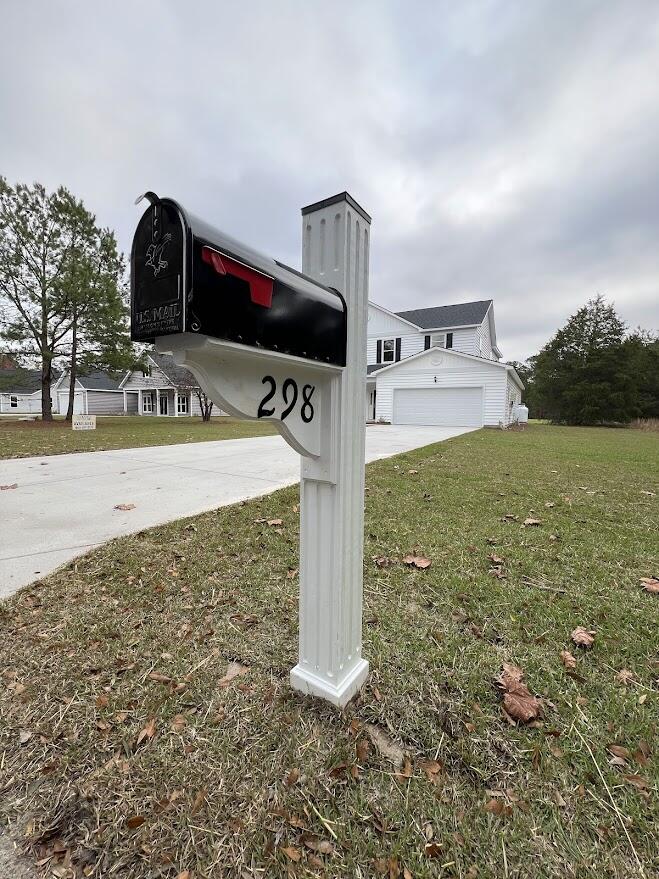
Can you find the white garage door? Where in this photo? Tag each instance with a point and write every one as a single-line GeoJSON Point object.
{"type": "Point", "coordinates": [446, 407]}
{"type": "Point", "coordinates": [78, 406]}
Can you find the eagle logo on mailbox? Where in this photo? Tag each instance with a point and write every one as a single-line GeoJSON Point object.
{"type": "Point", "coordinates": [154, 255]}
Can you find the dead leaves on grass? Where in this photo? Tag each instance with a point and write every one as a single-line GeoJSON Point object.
{"type": "Point", "coordinates": [519, 703]}
{"type": "Point", "coordinates": [583, 637]}
{"type": "Point", "coordinates": [568, 660]}
{"type": "Point", "coordinates": [234, 670]}
{"type": "Point", "coordinates": [417, 561]}
{"type": "Point", "coordinates": [650, 584]}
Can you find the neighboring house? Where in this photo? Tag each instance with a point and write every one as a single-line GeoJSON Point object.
{"type": "Point", "coordinates": [438, 366]}
{"type": "Point", "coordinates": [162, 388]}
{"type": "Point", "coordinates": [96, 393]}
{"type": "Point", "coordinates": [20, 391]}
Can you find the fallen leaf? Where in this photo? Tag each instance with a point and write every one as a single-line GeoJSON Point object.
{"type": "Point", "coordinates": [618, 751]}
{"type": "Point", "coordinates": [148, 732]}
{"type": "Point", "coordinates": [642, 753]}
{"type": "Point", "coordinates": [583, 637]}
{"type": "Point", "coordinates": [102, 701]}
{"type": "Point", "coordinates": [651, 585]}
{"type": "Point", "coordinates": [385, 746]}
{"type": "Point", "coordinates": [159, 677]}
{"type": "Point", "coordinates": [384, 561]}
{"type": "Point", "coordinates": [361, 749]}
{"type": "Point", "coordinates": [549, 504]}
{"type": "Point", "coordinates": [274, 522]}
{"type": "Point", "coordinates": [315, 844]}
{"type": "Point", "coordinates": [9, 487]}
{"type": "Point", "coordinates": [510, 517]}
{"type": "Point", "coordinates": [497, 807]}
{"type": "Point", "coordinates": [124, 506]}
{"type": "Point", "coordinates": [178, 723]}
{"type": "Point", "coordinates": [496, 559]}
{"type": "Point", "coordinates": [293, 777]}
{"type": "Point", "coordinates": [412, 472]}
{"type": "Point", "coordinates": [292, 853]}
{"type": "Point", "coordinates": [518, 702]}
{"type": "Point", "coordinates": [432, 768]}
{"type": "Point", "coordinates": [292, 573]}
{"type": "Point", "coordinates": [637, 781]}
{"type": "Point", "coordinates": [625, 676]}
{"type": "Point", "coordinates": [433, 849]}
{"type": "Point", "coordinates": [417, 561]}
{"type": "Point", "coordinates": [568, 660]}
{"type": "Point", "coordinates": [406, 771]}
{"type": "Point", "coordinates": [234, 670]}
{"type": "Point", "coordinates": [135, 821]}
{"type": "Point", "coordinates": [198, 802]}
{"type": "Point", "coordinates": [24, 736]}
{"type": "Point", "coordinates": [184, 874]}
{"type": "Point", "coordinates": [528, 523]}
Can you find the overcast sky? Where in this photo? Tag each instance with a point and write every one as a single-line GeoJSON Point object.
{"type": "Point", "coordinates": [506, 149]}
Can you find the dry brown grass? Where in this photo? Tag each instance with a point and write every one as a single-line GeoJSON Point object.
{"type": "Point", "coordinates": [645, 424]}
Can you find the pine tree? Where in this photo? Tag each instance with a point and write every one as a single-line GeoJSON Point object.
{"type": "Point", "coordinates": [585, 374]}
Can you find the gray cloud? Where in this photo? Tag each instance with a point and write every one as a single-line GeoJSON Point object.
{"type": "Point", "coordinates": [506, 151]}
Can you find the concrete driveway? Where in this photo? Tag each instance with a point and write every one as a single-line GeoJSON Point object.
{"type": "Point", "coordinates": [64, 505]}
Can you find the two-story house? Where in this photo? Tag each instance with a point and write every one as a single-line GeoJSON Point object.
{"type": "Point", "coordinates": [438, 366]}
{"type": "Point", "coordinates": [162, 388]}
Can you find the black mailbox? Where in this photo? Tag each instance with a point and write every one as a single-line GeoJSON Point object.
{"type": "Point", "coordinates": [186, 277]}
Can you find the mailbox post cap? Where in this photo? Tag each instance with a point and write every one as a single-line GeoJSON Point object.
{"type": "Point", "coordinates": [335, 199]}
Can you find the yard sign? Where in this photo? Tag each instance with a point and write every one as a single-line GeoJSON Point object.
{"type": "Point", "coordinates": [83, 422]}
{"type": "Point", "coordinates": [267, 342]}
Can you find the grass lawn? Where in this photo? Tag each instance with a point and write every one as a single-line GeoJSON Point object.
{"type": "Point", "coordinates": [21, 439]}
{"type": "Point", "coordinates": [127, 748]}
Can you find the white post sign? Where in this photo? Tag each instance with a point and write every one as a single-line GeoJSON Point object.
{"type": "Point", "coordinates": [236, 350]}
{"type": "Point", "coordinates": [83, 422]}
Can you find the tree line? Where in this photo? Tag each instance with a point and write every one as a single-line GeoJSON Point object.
{"type": "Point", "coordinates": [63, 292]}
{"type": "Point", "coordinates": [594, 371]}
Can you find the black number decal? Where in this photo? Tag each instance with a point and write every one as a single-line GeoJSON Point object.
{"type": "Point", "coordinates": [307, 409]}
{"type": "Point", "coordinates": [264, 413]}
{"type": "Point", "coordinates": [289, 383]}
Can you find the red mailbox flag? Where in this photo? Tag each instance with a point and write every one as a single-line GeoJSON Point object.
{"type": "Point", "coordinates": [260, 285]}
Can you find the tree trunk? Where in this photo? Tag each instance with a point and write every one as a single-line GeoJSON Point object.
{"type": "Point", "coordinates": [205, 405]}
{"type": "Point", "coordinates": [73, 372]}
{"type": "Point", "coordinates": [46, 378]}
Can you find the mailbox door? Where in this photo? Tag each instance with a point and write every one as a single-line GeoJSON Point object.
{"type": "Point", "coordinates": [158, 266]}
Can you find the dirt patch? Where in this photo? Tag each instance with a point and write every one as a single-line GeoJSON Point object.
{"type": "Point", "coordinates": [12, 864]}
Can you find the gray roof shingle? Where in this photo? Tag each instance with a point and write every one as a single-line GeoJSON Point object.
{"type": "Point", "coordinates": [178, 375]}
{"type": "Point", "coordinates": [98, 381]}
{"type": "Point", "coordinates": [464, 314]}
{"type": "Point", "coordinates": [20, 381]}
{"type": "Point", "coordinates": [373, 367]}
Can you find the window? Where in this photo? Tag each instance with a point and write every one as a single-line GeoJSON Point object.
{"type": "Point", "coordinates": [147, 403]}
{"type": "Point", "coordinates": [438, 340]}
{"type": "Point", "coordinates": [13, 402]}
{"type": "Point", "coordinates": [182, 405]}
{"type": "Point", "coordinates": [146, 372]}
{"type": "Point", "coordinates": [388, 350]}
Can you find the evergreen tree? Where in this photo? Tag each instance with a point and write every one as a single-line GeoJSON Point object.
{"type": "Point", "coordinates": [585, 374]}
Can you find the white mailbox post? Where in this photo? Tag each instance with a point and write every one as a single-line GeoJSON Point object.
{"type": "Point", "coordinates": [266, 342]}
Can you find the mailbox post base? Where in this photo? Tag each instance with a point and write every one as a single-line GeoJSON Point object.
{"type": "Point", "coordinates": [338, 694]}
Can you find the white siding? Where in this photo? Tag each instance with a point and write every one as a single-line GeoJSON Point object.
{"type": "Point", "coordinates": [484, 339]}
{"type": "Point", "coordinates": [78, 402]}
{"type": "Point", "coordinates": [27, 404]}
{"type": "Point", "coordinates": [410, 343]}
{"type": "Point", "coordinates": [381, 324]}
{"type": "Point", "coordinates": [105, 403]}
{"type": "Point", "coordinates": [196, 408]}
{"type": "Point", "coordinates": [514, 397]}
{"type": "Point", "coordinates": [450, 371]}
{"type": "Point", "coordinates": [157, 379]}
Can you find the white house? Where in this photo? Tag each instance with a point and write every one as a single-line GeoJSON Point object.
{"type": "Point", "coordinates": [162, 388]}
{"type": "Point", "coordinates": [96, 393]}
{"type": "Point", "coordinates": [439, 366]}
{"type": "Point", "coordinates": [20, 391]}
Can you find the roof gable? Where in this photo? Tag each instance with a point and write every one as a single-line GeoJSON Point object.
{"type": "Point", "coordinates": [464, 314]}
{"type": "Point", "coordinates": [177, 375]}
{"type": "Point", "coordinates": [450, 352]}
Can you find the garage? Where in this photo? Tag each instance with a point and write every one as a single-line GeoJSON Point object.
{"type": "Point", "coordinates": [443, 407]}
{"type": "Point", "coordinates": [78, 402]}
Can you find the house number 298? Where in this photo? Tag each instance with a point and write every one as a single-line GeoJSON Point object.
{"type": "Point", "coordinates": [289, 392]}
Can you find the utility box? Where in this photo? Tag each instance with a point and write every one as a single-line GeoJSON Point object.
{"type": "Point", "coordinates": [187, 277]}
{"type": "Point", "coordinates": [522, 413]}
